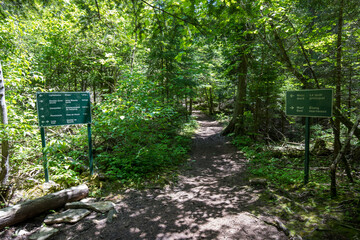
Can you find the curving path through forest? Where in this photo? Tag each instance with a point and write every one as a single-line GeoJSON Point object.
{"type": "Point", "coordinates": [212, 200]}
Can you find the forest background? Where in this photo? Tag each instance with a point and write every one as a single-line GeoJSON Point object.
{"type": "Point", "coordinates": [148, 64]}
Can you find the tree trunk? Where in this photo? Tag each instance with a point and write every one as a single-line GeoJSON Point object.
{"type": "Point", "coordinates": [32, 208]}
{"type": "Point", "coordinates": [257, 115]}
{"type": "Point", "coordinates": [4, 174]}
{"type": "Point", "coordinates": [191, 106]}
{"type": "Point", "coordinates": [346, 121]}
{"type": "Point", "coordinates": [347, 168]}
{"type": "Point", "coordinates": [98, 10]}
{"type": "Point", "coordinates": [350, 90]}
{"type": "Point", "coordinates": [133, 51]}
{"type": "Point", "coordinates": [236, 124]}
{"type": "Point", "coordinates": [94, 92]}
{"type": "Point", "coordinates": [211, 102]}
{"type": "Point", "coordinates": [339, 156]}
{"type": "Point", "coordinates": [337, 144]}
{"type": "Point", "coordinates": [283, 57]}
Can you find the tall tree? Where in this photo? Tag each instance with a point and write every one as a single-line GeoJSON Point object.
{"type": "Point", "coordinates": [236, 124]}
{"type": "Point", "coordinates": [4, 174]}
{"type": "Point", "coordinates": [232, 22]}
{"type": "Point", "coordinates": [338, 70]}
{"type": "Point", "coordinates": [313, 66]}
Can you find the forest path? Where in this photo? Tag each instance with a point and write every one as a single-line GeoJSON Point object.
{"type": "Point", "coordinates": [211, 200]}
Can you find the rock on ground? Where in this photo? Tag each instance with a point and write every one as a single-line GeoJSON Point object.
{"type": "Point", "coordinates": [69, 216]}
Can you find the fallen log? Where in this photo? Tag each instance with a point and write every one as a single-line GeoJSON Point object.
{"type": "Point", "coordinates": [20, 212]}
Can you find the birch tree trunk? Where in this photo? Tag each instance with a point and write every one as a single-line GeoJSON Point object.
{"type": "Point", "coordinates": [4, 173]}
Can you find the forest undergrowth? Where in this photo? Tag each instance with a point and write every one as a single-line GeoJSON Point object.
{"type": "Point", "coordinates": [306, 209]}
{"type": "Point", "coordinates": [138, 145]}
{"type": "Point", "coordinates": [147, 64]}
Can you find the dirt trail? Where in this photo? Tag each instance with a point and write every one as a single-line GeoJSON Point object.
{"type": "Point", "coordinates": [212, 200]}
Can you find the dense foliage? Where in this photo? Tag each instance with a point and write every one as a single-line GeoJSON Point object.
{"type": "Point", "coordinates": [139, 123]}
{"type": "Point", "coordinates": [148, 64]}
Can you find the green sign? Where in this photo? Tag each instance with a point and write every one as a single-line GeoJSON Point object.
{"type": "Point", "coordinates": [63, 108]}
{"type": "Point", "coordinates": [309, 103]}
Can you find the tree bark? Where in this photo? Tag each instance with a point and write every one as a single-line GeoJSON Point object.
{"type": "Point", "coordinates": [346, 121]}
{"type": "Point", "coordinates": [4, 174]}
{"type": "Point", "coordinates": [350, 90]}
{"type": "Point", "coordinates": [211, 102]}
{"type": "Point", "coordinates": [339, 156]}
{"type": "Point", "coordinates": [98, 10]}
{"type": "Point", "coordinates": [32, 208]}
{"type": "Point", "coordinates": [236, 124]}
{"type": "Point", "coordinates": [191, 102]}
{"type": "Point", "coordinates": [337, 144]}
{"type": "Point", "coordinates": [337, 132]}
{"type": "Point", "coordinates": [133, 51]}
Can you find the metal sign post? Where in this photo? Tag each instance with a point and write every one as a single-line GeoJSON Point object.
{"type": "Point", "coordinates": [90, 150]}
{"type": "Point", "coordinates": [45, 162]}
{"type": "Point", "coordinates": [309, 103]}
{"type": "Point", "coordinates": [63, 108]}
{"type": "Point", "coordinates": [307, 150]}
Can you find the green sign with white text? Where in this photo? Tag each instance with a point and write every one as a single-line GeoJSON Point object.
{"type": "Point", "coordinates": [309, 103]}
{"type": "Point", "coordinates": [63, 108]}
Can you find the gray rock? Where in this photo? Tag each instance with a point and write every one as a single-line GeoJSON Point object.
{"type": "Point", "coordinates": [101, 207]}
{"type": "Point", "coordinates": [69, 216]}
{"type": "Point", "coordinates": [111, 214]}
{"type": "Point", "coordinates": [88, 200]}
{"type": "Point", "coordinates": [20, 232]}
{"type": "Point", "coordinates": [44, 233]}
{"type": "Point", "coordinates": [258, 182]}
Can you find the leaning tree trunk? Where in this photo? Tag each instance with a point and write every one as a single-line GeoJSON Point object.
{"type": "Point", "coordinates": [286, 61]}
{"type": "Point", "coordinates": [4, 173]}
{"type": "Point", "coordinates": [340, 156]}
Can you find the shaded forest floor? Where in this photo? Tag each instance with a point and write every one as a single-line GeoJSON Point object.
{"type": "Point", "coordinates": [214, 197]}
{"type": "Point", "coordinates": [211, 200]}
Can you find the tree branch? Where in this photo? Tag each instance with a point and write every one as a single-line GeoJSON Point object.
{"type": "Point", "coordinates": [304, 53]}
{"type": "Point", "coordinates": [97, 6]}
{"type": "Point", "coordinates": [175, 16]}
{"type": "Point", "coordinates": [286, 59]}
